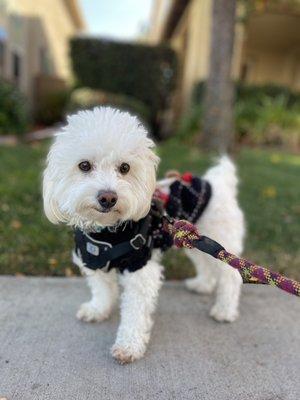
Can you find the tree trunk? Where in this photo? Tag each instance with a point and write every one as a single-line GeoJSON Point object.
{"type": "Point", "coordinates": [218, 121]}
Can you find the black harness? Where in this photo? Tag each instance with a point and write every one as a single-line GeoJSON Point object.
{"type": "Point", "coordinates": [129, 245]}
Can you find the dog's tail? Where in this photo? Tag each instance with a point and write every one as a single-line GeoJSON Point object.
{"type": "Point", "coordinates": [224, 172]}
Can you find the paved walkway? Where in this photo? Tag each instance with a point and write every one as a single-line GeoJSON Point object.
{"type": "Point", "coordinates": [46, 353]}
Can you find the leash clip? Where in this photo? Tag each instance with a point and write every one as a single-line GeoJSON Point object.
{"type": "Point", "coordinates": [168, 219]}
{"type": "Point", "coordinates": [167, 223]}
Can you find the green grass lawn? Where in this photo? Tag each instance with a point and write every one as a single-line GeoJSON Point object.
{"type": "Point", "coordinates": [269, 195]}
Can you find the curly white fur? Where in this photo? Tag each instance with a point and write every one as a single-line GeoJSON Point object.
{"type": "Point", "coordinates": [106, 138]}
{"type": "Point", "coordinates": [223, 221]}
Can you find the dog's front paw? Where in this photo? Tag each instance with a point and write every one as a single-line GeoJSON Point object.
{"type": "Point", "coordinates": [88, 312]}
{"type": "Point", "coordinates": [126, 354]}
{"type": "Point", "coordinates": [224, 314]}
{"type": "Point", "coordinates": [200, 286]}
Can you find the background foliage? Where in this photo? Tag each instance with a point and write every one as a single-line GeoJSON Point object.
{"type": "Point", "coordinates": [52, 107]}
{"type": "Point", "coordinates": [14, 115]}
{"type": "Point", "coordinates": [143, 72]}
{"type": "Point", "coordinates": [266, 114]}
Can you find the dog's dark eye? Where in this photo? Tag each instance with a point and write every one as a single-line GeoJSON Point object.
{"type": "Point", "coordinates": [124, 168]}
{"type": "Point", "coordinates": [85, 166]}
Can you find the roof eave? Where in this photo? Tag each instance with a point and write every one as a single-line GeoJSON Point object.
{"type": "Point", "coordinates": [176, 11]}
{"type": "Point", "coordinates": [75, 13]}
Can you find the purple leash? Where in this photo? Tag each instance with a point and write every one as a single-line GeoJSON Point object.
{"type": "Point", "coordinates": [186, 235]}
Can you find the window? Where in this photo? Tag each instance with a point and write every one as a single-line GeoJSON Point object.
{"type": "Point", "coordinates": [45, 64]}
{"type": "Point", "coordinates": [2, 57]}
{"type": "Point", "coordinates": [3, 38]}
{"type": "Point", "coordinates": [244, 72]}
{"type": "Point", "coordinates": [16, 67]}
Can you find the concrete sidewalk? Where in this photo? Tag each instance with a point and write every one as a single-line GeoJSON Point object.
{"type": "Point", "coordinates": [46, 353]}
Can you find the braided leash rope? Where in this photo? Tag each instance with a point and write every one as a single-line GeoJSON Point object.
{"type": "Point", "coordinates": [186, 235]}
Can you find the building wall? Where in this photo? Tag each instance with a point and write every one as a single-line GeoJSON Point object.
{"type": "Point", "coordinates": [14, 45]}
{"type": "Point", "coordinates": [191, 40]}
{"type": "Point", "coordinates": [271, 50]}
{"type": "Point", "coordinates": [266, 49]}
{"type": "Point", "coordinates": [38, 34]}
{"type": "Point", "coordinates": [195, 25]}
{"type": "Point", "coordinates": [272, 67]}
{"type": "Point", "coordinates": [160, 9]}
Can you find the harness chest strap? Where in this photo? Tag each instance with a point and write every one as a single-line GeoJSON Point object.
{"type": "Point", "coordinates": [99, 254]}
{"type": "Point", "coordinates": [129, 245]}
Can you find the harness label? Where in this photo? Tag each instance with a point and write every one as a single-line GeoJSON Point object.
{"type": "Point", "coordinates": [92, 249]}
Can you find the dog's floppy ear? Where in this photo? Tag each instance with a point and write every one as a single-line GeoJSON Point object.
{"type": "Point", "coordinates": [153, 158]}
{"type": "Point", "coordinates": [51, 208]}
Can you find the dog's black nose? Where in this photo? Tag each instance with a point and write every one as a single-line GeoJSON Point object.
{"type": "Point", "coordinates": [107, 199]}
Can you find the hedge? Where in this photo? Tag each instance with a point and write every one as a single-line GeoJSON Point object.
{"type": "Point", "coordinates": [264, 114]}
{"type": "Point", "coordinates": [252, 92]}
{"type": "Point", "coordinates": [147, 73]}
{"type": "Point", "coordinates": [14, 117]}
{"type": "Point", "coordinates": [51, 107]}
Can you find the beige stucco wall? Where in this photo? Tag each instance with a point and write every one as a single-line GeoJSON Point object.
{"type": "Point", "coordinates": [191, 40]}
{"type": "Point", "coordinates": [195, 49]}
{"type": "Point", "coordinates": [273, 67]}
{"type": "Point", "coordinates": [17, 30]}
{"type": "Point", "coordinates": [160, 9]}
{"type": "Point", "coordinates": [34, 27]}
{"type": "Point", "coordinates": [266, 46]}
{"type": "Point", "coordinates": [271, 52]}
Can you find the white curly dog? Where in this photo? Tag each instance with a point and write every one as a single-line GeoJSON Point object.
{"type": "Point", "coordinates": [108, 150]}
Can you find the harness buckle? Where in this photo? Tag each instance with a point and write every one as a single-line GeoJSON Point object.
{"type": "Point", "coordinates": [138, 241]}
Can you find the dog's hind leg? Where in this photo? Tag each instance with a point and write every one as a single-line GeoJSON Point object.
{"type": "Point", "coordinates": [205, 280]}
{"type": "Point", "coordinates": [104, 289]}
{"type": "Point", "coordinates": [138, 302]}
{"type": "Point", "coordinates": [213, 274]}
{"type": "Point", "coordinates": [226, 307]}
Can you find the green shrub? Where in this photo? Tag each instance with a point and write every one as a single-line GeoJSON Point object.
{"type": "Point", "coordinates": [252, 93]}
{"type": "Point", "coordinates": [85, 98]}
{"type": "Point", "coordinates": [269, 120]}
{"type": "Point", "coordinates": [14, 117]}
{"type": "Point", "coordinates": [146, 73]}
{"type": "Point", "coordinates": [190, 124]}
{"type": "Point", "coordinates": [52, 107]}
{"type": "Point", "coordinates": [257, 93]}
{"type": "Point", "coordinates": [267, 114]}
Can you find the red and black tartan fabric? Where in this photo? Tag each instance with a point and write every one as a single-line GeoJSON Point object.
{"type": "Point", "coordinates": [188, 198]}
